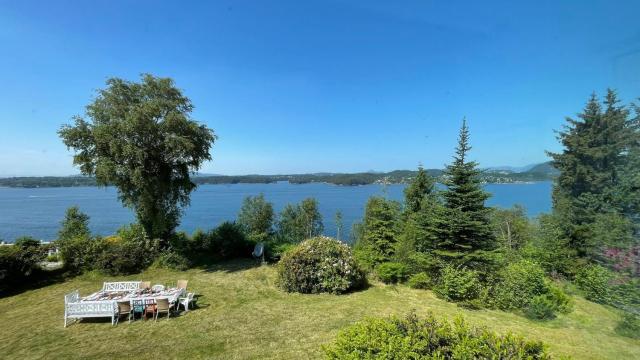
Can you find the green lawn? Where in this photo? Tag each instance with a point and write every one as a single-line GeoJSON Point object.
{"type": "Point", "coordinates": [242, 315]}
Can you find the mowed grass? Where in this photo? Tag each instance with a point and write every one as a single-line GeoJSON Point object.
{"type": "Point", "coordinates": [243, 315]}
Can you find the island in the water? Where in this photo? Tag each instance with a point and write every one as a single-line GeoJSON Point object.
{"type": "Point", "coordinates": [538, 172]}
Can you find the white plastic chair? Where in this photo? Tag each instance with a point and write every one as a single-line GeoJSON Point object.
{"type": "Point", "coordinates": [185, 301]}
{"type": "Point", "coordinates": [156, 288]}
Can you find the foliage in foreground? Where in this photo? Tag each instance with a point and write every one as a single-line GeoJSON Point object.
{"type": "Point", "coordinates": [428, 338]}
{"type": "Point", "coordinates": [319, 265]}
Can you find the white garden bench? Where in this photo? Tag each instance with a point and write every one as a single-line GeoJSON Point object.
{"type": "Point", "coordinates": [76, 309]}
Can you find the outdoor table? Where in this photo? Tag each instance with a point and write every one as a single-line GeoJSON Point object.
{"type": "Point", "coordinates": [172, 294]}
{"type": "Point", "coordinates": [104, 303]}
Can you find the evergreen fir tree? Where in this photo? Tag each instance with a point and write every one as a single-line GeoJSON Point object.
{"type": "Point", "coordinates": [595, 177]}
{"type": "Point", "coordinates": [417, 192]}
{"type": "Point", "coordinates": [421, 205]}
{"type": "Point", "coordinates": [629, 194]}
{"type": "Point", "coordinates": [465, 233]}
{"type": "Point", "coordinates": [379, 231]}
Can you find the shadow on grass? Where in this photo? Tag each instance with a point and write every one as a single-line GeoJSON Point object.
{"type": "Point", "coordinates": [230, 266]}
{"type": "Point", "coordinates": [36, 280]}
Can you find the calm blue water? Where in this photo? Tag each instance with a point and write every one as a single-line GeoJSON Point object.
{"type": "Point", "coordinates": [38, 212]}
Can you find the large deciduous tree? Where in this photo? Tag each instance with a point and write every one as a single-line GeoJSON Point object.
{"type": "Point", "coordinates": [256, 218]}
{"type": "Point", "coordinates": [300, 221]}
{"type": "Point", "coordinates": [140, 137]}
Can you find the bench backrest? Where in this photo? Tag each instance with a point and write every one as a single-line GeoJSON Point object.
{"type": "Point", "coordinates": [72, 297]}
{"type": "Point", "coordinates": [121, 286]}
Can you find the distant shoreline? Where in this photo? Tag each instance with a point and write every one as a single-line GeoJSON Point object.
{"type": "Point", "coordinates": [541, 172]}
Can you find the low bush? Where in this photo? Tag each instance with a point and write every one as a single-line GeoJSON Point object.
{"type": "Point", "coordinates": [458, 284]}
{"type": "Point", "coordinates": [27, 242]}
{"type": "Point", "coordinates": [540, 308]}
{"type": "Point", "coordinates": [195, 246]}
{"type": "Point", "coordinates": [319, 265]}
{"type": "Point", "coordinates": [428, 338]}
{"type": "Point", "coordinates": [625, 293]}
{"type": "Point", "coordinates": [53, 258]}
{"type": "Point", "coordinates": [562, 302]}
{"type": "Point", "coordinates": [129, 251]}
{"type": "Point", "coordinates": [228, 241]}
{"type": "Point", "coordinates": [629, 326]}
{"type": "Point", "coordinates": [79, 253]}
{"type": "Point", "coordinates": [391, 272]}
{"type": "Point", "coordinates": [518, 284]}
{"type": "Point", "coordinates": [594, 280]}
{"type": "Point", "coordinates": [275, 251]}
{"type": "Point", "coordinates": [171, 260]}
{"type": "Point", "coordinates": [122, 258]}
{"type": "Point", "coordinates": [18, 264]}
{"type": "Point", "coordinates": [420, 280]}
{"type": "Point", "coordinates": [418, 262]}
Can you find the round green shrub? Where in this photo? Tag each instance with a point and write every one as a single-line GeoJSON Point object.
{"type": "Point", "coordinates": [391, 272]}
{"type": "Point", "coordinates": [458, 284]}
{"type": "Point", "coordinates": [428, 338]}
{"type": "Point", "coordinates": [518, 284]}
{"type": "Point", "coordinates": [319, 265]}
{"type": "Point", "coordinates": [540, 308]}
{"type": "Point", "coordinates": [420, 280]}
{"type": "Point", "coordinates": [629, 326]}
{"type": "Point", "coordinates": [594, 280]}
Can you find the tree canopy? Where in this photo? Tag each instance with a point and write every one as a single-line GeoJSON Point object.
{"type": "Point", "coordinates": [140, 137]}
{"type": "Point", "coordinates": [300, 221]}
{"type": "Point", "coordinates": [256, 218]}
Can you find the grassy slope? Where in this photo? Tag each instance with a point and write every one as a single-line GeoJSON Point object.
{"type": "Point", "coordinates": [244, 316]}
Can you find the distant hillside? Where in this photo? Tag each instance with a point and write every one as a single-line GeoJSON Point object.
{"type": "Point", "coordinates": [544, 168]}
{"type": "Point", "coordinates": [539, 172]}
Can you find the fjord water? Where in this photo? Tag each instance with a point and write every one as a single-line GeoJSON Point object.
{"type": "Point", "coordinates": [38, 212]}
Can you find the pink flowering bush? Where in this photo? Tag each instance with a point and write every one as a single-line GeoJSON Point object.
{"type": "Point", "coordinates": [624, 260]}
{"type": "Point", "coordinates": [319, 265]}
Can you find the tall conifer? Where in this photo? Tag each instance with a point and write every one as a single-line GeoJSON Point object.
{"type": "Point", "coordinates": [466, 236]}
{"type": "Point", "coordinates": [595, 179]}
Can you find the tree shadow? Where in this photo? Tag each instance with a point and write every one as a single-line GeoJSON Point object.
{"type": "Point", "coordinates": [230, 266]}
{"type": "Point", "coordinates": [38, 279]}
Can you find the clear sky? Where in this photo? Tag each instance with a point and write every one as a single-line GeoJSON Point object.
{"type": "Point", "coordinates": [337, 86]}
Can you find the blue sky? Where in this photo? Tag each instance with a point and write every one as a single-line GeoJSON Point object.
{"type": "Point", "coordinates": [296, 87]}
